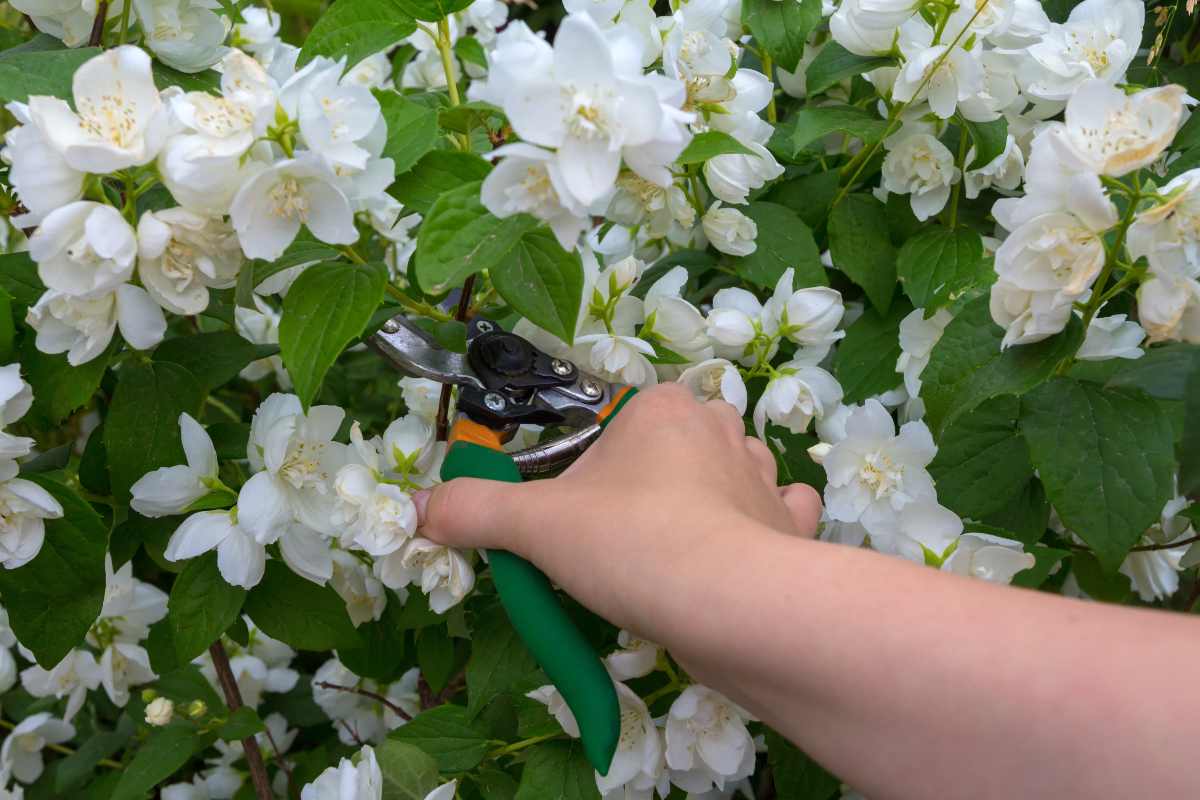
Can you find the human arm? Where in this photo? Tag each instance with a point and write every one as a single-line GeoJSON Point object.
{"type": "Point", "coordinates": [904, 681]}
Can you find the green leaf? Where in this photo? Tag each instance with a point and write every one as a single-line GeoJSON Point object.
{"type": "Point", "coordinates": [542, 282]}
{"type": "Point", "coordinates": [381, 656]}
{"type": "Point", "coordinates": [861, 247]}
{"type": "Point", "coordinates": [797, 777]}
{"type": "Point", "coordinates": [982, 461]}
{"type": "Point", "coordinates": [165, 77]}
{"type": "Point", "coordinates": [185, 684]}
{"type": "Point", "coordinates": [710, 144]}
{"type": "Point", "coordinates": [305, 249]}
{"type": "Point", "coordinates": [495, 784]}
{"type": "Point", "coordinates": [1189, 447]}
{"type": "Point", "coordinates": [53, 600]}
{"type": "Point", "coordinates": [433, 10]}
{"type": "Point", "coordinates": [201, 606]}
{"type": "Point", "coordinates": [937, 265]}
{"type": "Point", "coordinates": [811, 124]}
{"type": "Point", "coordinates": [1163, 372]}
{"type": "Point", "coordinates": [793, 462]}
{"type": "Point", "coordinates": [809, 196]}
{"type": "Point", "coordinates": [436, 173]}
{"type": "Point", "coordinates": [1103, 584]}
{"type": "Point", "coordinates": [141, 433]}
{"type": "Point", "coordinates": [468, 49]}
{"type": "Point", "coordinates": [214, 359]}
{"type": "Point", "coordinates": [412, 129]}
{"type": "Point", "coordinates": [241, 724]}
{"type": "Point", "coordinates": [1025, 515]}
{"type": "Point", "coordinates": [782, 28]}
{"type": "Point", "coordinates": [408, 772]}
{"type": "Point", "coordinates": [300, 613]}
{"type": "Point", "coordinates": [559, 770]}
{"type": "Point", "coordinates": [990, 139]}
{"type": "Point", "coordinates": [783, 241]}
{"type": "Point", "coordinates": [19, 277]}
{"type": "Point", "coordinates": [500, 663]}
{"type": "Point", "coordinates": [835, 64]}
{"type": "Point", "coordinates": [1106, 458]}
{"type": "Point", "coordinates": [1045, 560]}
{"type": "Point", "coordinates": [460, 237]}
{"type": "Point", "coordinates": [8, 329]}
{"type": "Point", "coordinates": [466, 117]}
{"type": "Point", "coordinates": [435, 656]}
{"type": "Point", "coordinates": [41, 72]}
{"type": "Point", "coordinates": [356, 29]}
{"type": "Point", "coordinates": [447, 734]}
{"type": "Point", "coordinates": [58, 388]}
{"type": "Point", "coordinates": [73, 770]}
{"type": "Point", "coordinates": [160, 756]}
{"type": "Point", "coordinates": [327, 308]}
{"type": "Point", "coordinates": [865, 361]}
{"type": "Point", "coordinates": [967, 365]}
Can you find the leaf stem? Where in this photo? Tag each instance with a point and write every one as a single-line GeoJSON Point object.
{"type": "Point", "coordinates": [124, 21]}
{"type": "Point", "coordinates": [768, 66]}
{"type": "Point", "coordinates": [444, 49]}
{"type": "Point", "coordinates": [418, 306]}
{"type": "Point", "coordinates": [515, 747]}
{"type": "Point", "coordinates": [962, 176]}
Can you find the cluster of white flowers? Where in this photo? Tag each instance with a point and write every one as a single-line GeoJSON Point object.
{"type": "Point", "coordinates": [24, 505]}
{"type": "Point", "coordinates": [361, 781]}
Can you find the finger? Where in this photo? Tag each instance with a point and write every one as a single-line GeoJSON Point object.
{"type": "Point", "coordinates": [804, 504]}
{"type": "Point", "coordinates": [763, 458]}
{"type": "Point", "coordinates": [728, 417]}
{"type": "Point", "coordinates": [469, 512]}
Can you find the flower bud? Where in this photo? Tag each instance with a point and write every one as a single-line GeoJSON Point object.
{"type": "Point", "coordinates": [148, 695]}
{"type": "Point", "coordinates": [197, 709]}
{"type": "Point", "coordinates": [159, 712]}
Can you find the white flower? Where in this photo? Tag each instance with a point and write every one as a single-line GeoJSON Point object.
{"type": "Point", "coordinates": [1169, 307]}
{"type": "Point", "coordinates": [335, 115]}
{"type": "Point", "coordinates": [119, 119]}
{"type": "Point", "coordinates": [348, 781]}
{"type": "Point", "coordinates": [1004, 171]}
{"type": "Point", "coordinates": [1098, 40]}
{"type": "Point", "coordinates": [809, 317]}
{"type": "Point", "coordinates": [735, 319]}
{"type": "Point", "coordinates": [360, 716]}
{"type": "Point", "coordinates": [917, 164]}
{"type": "Point", "coordinates": [421, 396]}
{"type": "Point", "coordinates": [42, 179]}
{"type": "Point", "coordinates": [130, 607]}
{"type": "Point", "coordinates": [1155, 573]}
{"type": "Point", "coordinates": [260, 325]}
{"type": "Point", "coordinates": [447, 790]}
{"type": "Point", "coordinates": [672, 320]}
{"type": "Point", "coordinates": [202, 175]}
{"type": "Point", "coordinates": [83, 327]}
{"type": "Point", "coordinates": [442, 573]}
{"type": "Point", "coordinates": [270, 208]}
{"type": "Point", "coordinates": [1168, 234]}
{"type": "Point", "coordinates": [943, 76]}
{"type": "Point", "coordinates": [259, 30]}
{"type": "Point", "coordinates": [378, 518]}
{"type": "Point", "coordinates": [69, 20]}
{"type": "Point", "coordinates": [1115, 133]}
{"type": "Point", "coordinates": [184, 34]}
{"type": "Point", "coordinates": [240, 558]}
{"type": "Point", "coordinates": [409, 446]}
{"type": "Point", "coordinates": [731, 177]}
{"type": "Point", "coordinates": [637, 658]}
{"type": "Point", "coordinates": [84, 249]}
{"type": "Point", "coordinates": [729, 230]}
{"type": "Point", "coordinates": [857, 25]}
{"type": "Point", "coordinates": [21, 753]}
{"type": "Point", "coordinates": [16, 398]}
{"type": "Point", "coordinates": [24, 507]}
{"type": "Point", "coordinates": [518, 57]}
{"type": "Point", "coordinates": [1112, 337]}
{"type": "Point", "coordinates": [620, 357]}
{"type": "Point", "coordinates": [72, 678]}
{"type": "Point", "coordinates": [557, 707]}
{"type": "Point", "coordinates": [298, 459]}
{"type": "Point", "coordinates": [918, 336]}
{"type": "Point", "coordinates": [170, 490]}
{"type": "Point", "coordinates": [794, 396]}
{"type": "Point", "coordinates": [160, 712]}
{"type": "Point", "coordinates": [528, 180]}
{"type": "Point", "coordinates": [708, 745]}
{"type": "Point", "coordinates": [364, 596]}
{"type": "Point", "coordinates": [638, 764]}
{"type": "Point", "coordinates": [181, 254]}
{"type": "Point", "coordinates": [873, 472]}
{"type": "Point", "coordinates": [715, 379]}
{"type": "Point", "coordinates": [1027, 316]}
{"type": "Point", "coordinates": [990, 558]}
{"type": "Point", "coordinates": [8, 669]}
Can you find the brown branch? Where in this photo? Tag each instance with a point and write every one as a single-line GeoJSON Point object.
{"type": "Point", "coordinates": [233, 699]}
{"type": "Point", "coordinates": [397, 710]}
{"type": "Point", "coordinates": [281, 762]}
{"type": "Point", "coordinates": [1145, 547]}
{"type": "Point", "coordinates": [97, 37]}
{"type": "Point", "coordinates": [353, 733]}
{"type": "Point", "coordinates": [442, 425]}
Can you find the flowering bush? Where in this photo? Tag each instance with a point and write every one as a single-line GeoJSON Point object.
{"type": "Point", "coordinates": [944, 257]}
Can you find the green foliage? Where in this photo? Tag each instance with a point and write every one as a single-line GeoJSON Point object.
{"type": "Point", "coordinates": [408, 772]}
{"type": "Point", "coordinates": [862, 247]}
{"type": "Point", "coordinates": [214, 359]}
{"type": "Point", "coordinates": [40, 72]}
{"type": "Point", "coordinates": [783, 241]}
{"type": "Point", "coordinates": [557, 769]}
{"type": "Point", "coordinates": [835, 64]}
{"type": "Point", "coordinates": [299, 613]}
{"type": "Point", "coordinates": [710, 144]}
{"type": "Point", "coordinates": [356, 29]}
{"type": "Point", "coordinates": [412, 129]}
{"type": "Point", "coordinates": [982, 461]}
{"type": "Point", "coordinates": [937, 265]}
{"type": "Point", "coordinates": [989, 139]}
{"type": "Point", "coordinates": [201, 607]}
{"type": "Point", "coordinates": [781, 28]}
{"type": "Point", "coordinates": [164, 751]}
{"type": "Point", "coordinates": [543, 282]}
{"type": "Point", "coordinates": [500, 664]}
{"type": "Point", "coordinates": [797, 776]}
{"type": "Point", "coordinates": [53, 600]}
{"type": "Point", "coordinates": [447, 734]}
{"type": "Point", "coordinates": [59, 389]}
{"type": "Point", "coordinates": [326, 308]}
{"type": "Point", "coordinates": [865, 361]}
{"type": "Point", "coordinates": [1105, 457]}
{"type": "Point", "coordinates": [436, 173]}
{"type": "Point", "coordinates": [809, 125]}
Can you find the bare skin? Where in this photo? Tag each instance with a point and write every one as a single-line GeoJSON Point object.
{"type": "Point", "coordinates": [903, 681]}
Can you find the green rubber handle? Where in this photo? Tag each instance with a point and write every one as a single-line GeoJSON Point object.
{"type": "Point", "coordinates": [557, 645]}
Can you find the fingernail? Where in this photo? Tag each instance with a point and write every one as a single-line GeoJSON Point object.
{"type": "Point", "coordinates": [421, 501]}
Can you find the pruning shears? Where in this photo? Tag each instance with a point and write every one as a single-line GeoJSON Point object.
{"type": "Point", "coordinates": [505, 381]}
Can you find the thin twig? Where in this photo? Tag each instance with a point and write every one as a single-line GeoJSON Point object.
{"type": "Point", "coordinates": [442, 424]}
{"type": "Point", "coordinates": [233, 699]}
{"type": "Point", "coordinates": [281, 761]}
{"type": "Point", "coordinates": [353, 733]}
{"type": "Point", "coordinates": [397, 710]}
{"type": "Point", "coordinates": [1145, 547]}
{"type": "Point", "coordinates": [97, 37]}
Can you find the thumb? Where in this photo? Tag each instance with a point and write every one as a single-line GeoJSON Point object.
{"type": "Point", "coordinates": [471, 512]}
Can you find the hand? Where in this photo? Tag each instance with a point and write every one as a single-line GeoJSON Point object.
{"type": "Point", "coordinates": [667, 496]}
